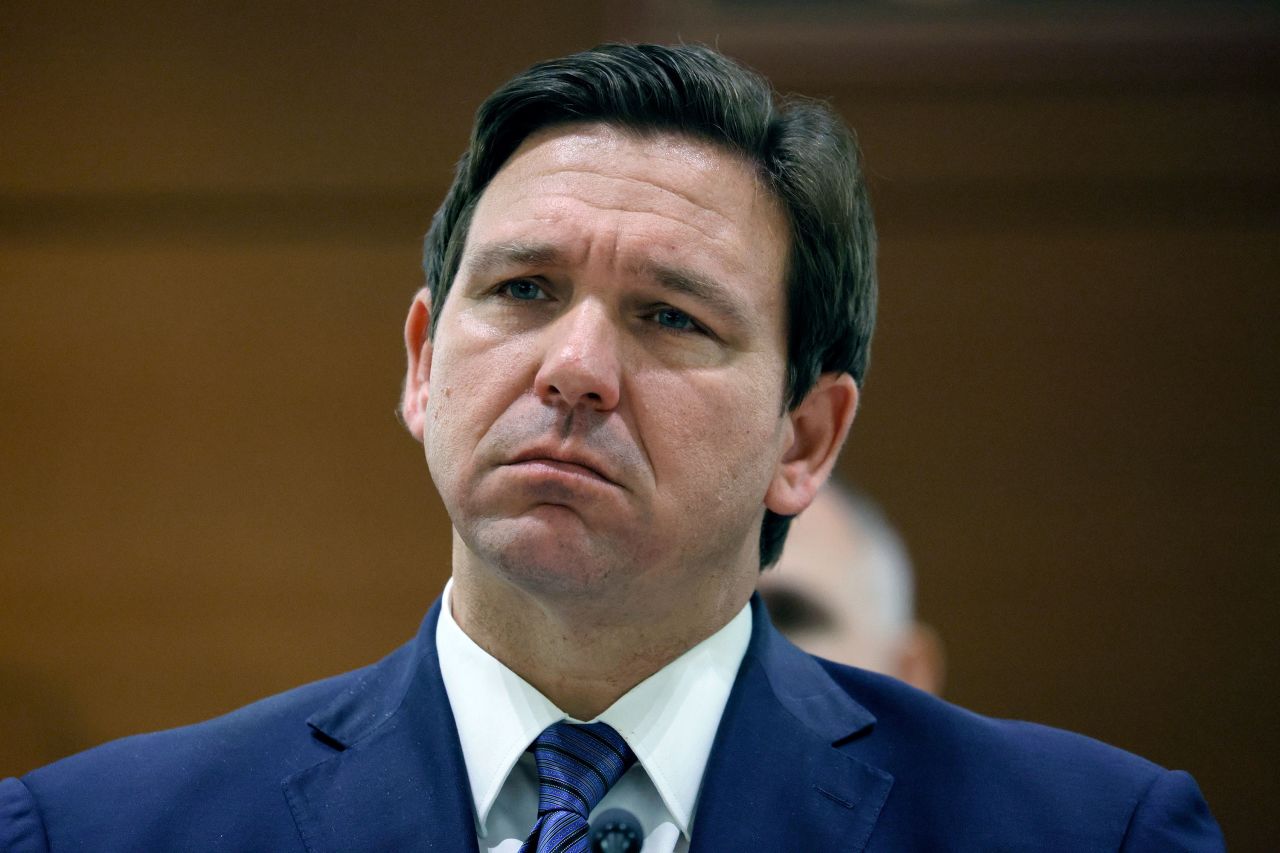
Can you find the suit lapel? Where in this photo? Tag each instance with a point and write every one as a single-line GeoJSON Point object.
{"type": "Point", "coordinates": [397, 780]}
{"type": "Point", "coordinates": [777, 778]}
{"type": "Point", "coordinates": [780, 776]}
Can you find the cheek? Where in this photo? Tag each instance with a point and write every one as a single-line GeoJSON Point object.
{"type": "Point", "coordinates": [714, 440]}
{"type": "Point", "coordinates": [469, 389]}
{"type": "Point", "coordinates": [471, 376]}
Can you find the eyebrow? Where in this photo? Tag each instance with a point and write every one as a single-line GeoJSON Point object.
{"type": "Point", "coordinates": [792, 610]}
{"type": "Point", "coordinates": [495, 256]}
{"type": "Point", "coordinates": [491, 257]}
{"type": "Point", "coordinates": [697, 286]}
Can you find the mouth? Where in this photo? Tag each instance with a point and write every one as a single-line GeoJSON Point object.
{"type": "Point", "coordinates": [562, 464]}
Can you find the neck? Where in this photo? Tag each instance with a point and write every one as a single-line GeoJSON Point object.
{"type": "Point", "coordinates": [584, 651]}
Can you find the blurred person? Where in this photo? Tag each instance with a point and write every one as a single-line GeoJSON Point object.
{"type": "Point", "coordinates": [844, 590]}
{"type": "Point", "coordinates": [647, 315]}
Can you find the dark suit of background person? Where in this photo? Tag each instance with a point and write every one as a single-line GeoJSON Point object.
{"type": "Point", "coordinates": [664, 505]}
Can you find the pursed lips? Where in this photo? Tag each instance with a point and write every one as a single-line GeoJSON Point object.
{"type": "Point", "coordinates": [568, 463]}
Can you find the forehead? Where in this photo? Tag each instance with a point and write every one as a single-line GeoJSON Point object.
{"type": "Point", "coordinates": [642, 196]}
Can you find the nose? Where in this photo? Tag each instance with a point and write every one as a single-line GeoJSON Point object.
{"type": "Point", "coordinates": [581, 365]}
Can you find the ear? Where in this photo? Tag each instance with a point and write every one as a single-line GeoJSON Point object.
{"type": "Point", "coordinates": [417, 344]}
{"type": "Point", "coordinates": [816, 432]}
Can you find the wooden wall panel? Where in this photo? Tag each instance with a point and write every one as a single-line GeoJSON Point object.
{"type": "Point", "coordinates": [210, 219]}
{"type": "Point", "coordinates": [207, 496]}
{"type": "Point", "coordinates": [209, 226]}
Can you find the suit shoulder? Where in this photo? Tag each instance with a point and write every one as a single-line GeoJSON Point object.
{"type": "Point", "coordinates": [1064, 790]}
{"type": "Point", "coordinates": [903, 712]}
{"type": "Point", "coordinates": [270, 724]}
{"type": "Point", "coordinates": [223, 775]}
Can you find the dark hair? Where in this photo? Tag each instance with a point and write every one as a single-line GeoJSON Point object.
{"type": "Point", "coordinates": [803, 151]}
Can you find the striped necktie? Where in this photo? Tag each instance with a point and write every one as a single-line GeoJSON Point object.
{"type": "Point", "coordinates": [577, 764]}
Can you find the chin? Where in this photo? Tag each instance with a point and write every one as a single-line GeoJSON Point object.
{"type": "Point", "coordinates": [546, 559]}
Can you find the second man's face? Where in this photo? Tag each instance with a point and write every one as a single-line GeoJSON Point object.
{"type": "Point", "coordinates": [603, 409]}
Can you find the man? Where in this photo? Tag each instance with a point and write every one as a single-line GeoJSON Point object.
{"type": "Point", "coordinates": [843, 591]}
{"type": "Point", "coordinates": [649, 302]}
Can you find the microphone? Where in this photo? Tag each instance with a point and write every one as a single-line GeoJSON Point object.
{"type": "Point", "coordinates": [616, 831]}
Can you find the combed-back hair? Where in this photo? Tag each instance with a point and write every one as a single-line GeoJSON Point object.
{"type": "Point", "coordinates": [802, 151]}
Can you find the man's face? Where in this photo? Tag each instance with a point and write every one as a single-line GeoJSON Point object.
{"type": "Point", "coordinates": [603, 408]}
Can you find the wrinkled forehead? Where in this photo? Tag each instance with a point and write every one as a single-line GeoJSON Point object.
{"type": "Point", "coordinates": [662, 195]}
{"type": "Point", "coordinates": [578, 138]}
{"type": "Point", "coordinates": [680, 169]}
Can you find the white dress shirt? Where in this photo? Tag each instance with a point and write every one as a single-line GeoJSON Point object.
{"type": "Point", "coordinates": [669, 720]}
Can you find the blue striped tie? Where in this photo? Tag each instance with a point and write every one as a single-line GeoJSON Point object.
{"type": "Point", "coordinates": [576, 766]}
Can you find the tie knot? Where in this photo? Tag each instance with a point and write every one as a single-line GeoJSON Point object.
{"type": "Point", "coordinates": [577, 765]}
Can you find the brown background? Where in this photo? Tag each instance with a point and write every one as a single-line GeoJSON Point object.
{"type": "Point", "coordinates": [209, 225]}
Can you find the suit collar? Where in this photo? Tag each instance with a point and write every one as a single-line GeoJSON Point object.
{"type": "Point", "coordinates": [397, 779]}
{"type": "Point", "coordinates": [802, 686]}
{"type": "Point", "coordinates": [669, 720]}
{"type": "Point", "coordinates": [783, 773]}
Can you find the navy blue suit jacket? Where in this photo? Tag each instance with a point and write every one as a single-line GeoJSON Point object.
{"type": "Point", "coordinates": [810, 755]}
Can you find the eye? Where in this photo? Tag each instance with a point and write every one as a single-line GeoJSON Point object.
{"type": "Point", "coordinates": [673, 318]}
{"type": "Point", "coordinates": [522, 289]}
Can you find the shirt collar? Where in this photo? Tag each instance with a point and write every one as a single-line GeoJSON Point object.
{"type": "Point", "coordinates": [669, 720]}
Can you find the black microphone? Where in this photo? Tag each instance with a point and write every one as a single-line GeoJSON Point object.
{"type": "Point", "coordinates": [616, 831]}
